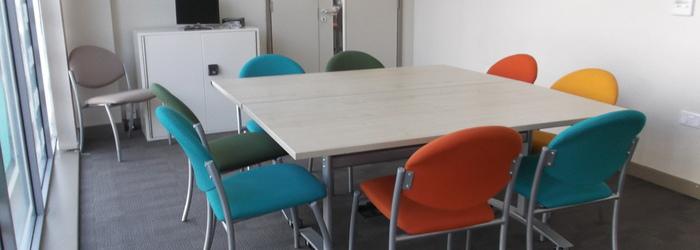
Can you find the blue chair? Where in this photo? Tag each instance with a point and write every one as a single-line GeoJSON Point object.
{"type": "Point", "coordinates": [268, 65]}
{"type": "Point", "coordinates": [247, 194]}
{"type": "Point", "coordinates": [574, 168]}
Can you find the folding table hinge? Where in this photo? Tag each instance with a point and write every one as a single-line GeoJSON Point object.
{"type": "Point", "coordinates": [407, 180]}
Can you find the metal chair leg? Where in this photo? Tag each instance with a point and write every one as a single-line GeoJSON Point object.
{"type": "Point", "coordinates": [468, 245]}
{"type": "Point", "coordinates": [327, 244]}
{"type": "Point", "coordinates": [130, 119]}
{"type": "Point", "coordinates": [449, 241]}
{"type": "Point", "coordinates": [545, 217]}
{"type": "Point", "coordinates": [310, 166]}
{"type": "Point", "coordinates": [188, 198]}
{"type": "Point", "coordinates": [350, 180]}
{"type": "Point", "coordinates": [615, 224]}
{"type": "Point", "coordinates": [353, 220]}
{"type": "Point", "coordinates": [295, 226]}
{"type": "Point", "coordinates": [115, 131]}
{"type": "Point", "coordinates": [211, 226]}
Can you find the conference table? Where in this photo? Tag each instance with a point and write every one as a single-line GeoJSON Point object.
{"type": "Point", "coordinates": [351, 118]}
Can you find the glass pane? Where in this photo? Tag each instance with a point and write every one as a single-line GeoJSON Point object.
{"type": "Point", "coordinates": [12, 144]}
{"type": "Point", "coordinates": [30, 71]}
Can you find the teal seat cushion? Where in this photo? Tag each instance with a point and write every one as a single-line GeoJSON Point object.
{"type": "Point", "coordinates": [237, 151]}
{"type": "Point", "coordinates": [253, 127]}
{"type": "Point", "coordinates": [553, 193]}
{"type": "Point", "coordinates": [267, 189]}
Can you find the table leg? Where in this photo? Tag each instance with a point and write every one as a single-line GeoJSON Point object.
{"type": "Point", "coordinates": [239, 122]}
{"type": "Point", "coordinates": [327, 202]}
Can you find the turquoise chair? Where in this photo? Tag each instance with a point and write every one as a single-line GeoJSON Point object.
{"type": "Point", "coordinates": [353, 60]}
{"type": "Point", "coordinates": [247, 194]}
{"type": "Point", "coordinates": [574, 168]}
{"type": "Point", "coordinates": [268, 65]}
{"type": "Point", "coordinates": [230, 153]}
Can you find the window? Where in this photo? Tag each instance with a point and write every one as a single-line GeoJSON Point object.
{"type": "Point", "coordinates": [26, 142]}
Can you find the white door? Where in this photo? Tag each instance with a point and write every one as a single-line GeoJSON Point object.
{"type": "Point", "coordinates": [372, 26]}
{"type": "Point", "coordinates": [228, 50]}
{"type": "Point", "coordinates": [312, 31]}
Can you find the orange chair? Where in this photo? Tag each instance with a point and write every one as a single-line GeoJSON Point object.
{"type": "Point", "coordinates": [521, 67]}
{"type": "Point", "coordinates": [595, 84]}
{"type": "Point", "coordinates": [446, 186]}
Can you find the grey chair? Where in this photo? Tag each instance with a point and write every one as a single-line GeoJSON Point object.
{"type": "Point", "coordinates": [94, 67]}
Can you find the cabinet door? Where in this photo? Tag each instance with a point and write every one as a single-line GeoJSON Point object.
{"type": "Point", "coordinates": [229, 50]}
{"type": "Point", "coordinates": [174, 61]}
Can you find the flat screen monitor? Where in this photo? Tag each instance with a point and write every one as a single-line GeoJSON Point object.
{"type": "Point", "coordinates": [197, 11]}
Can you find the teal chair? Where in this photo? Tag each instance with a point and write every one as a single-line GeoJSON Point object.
{"type": "Point", "coordinates": [574, 168]}
{"type": "Point", "coordinates": [246, 194]}
{"type": "Point", "coordinates": [353, 60]}
{"type": "Point", "coordinates": [230, 152]}
{"type": "Point", "coordinates": [268, 65]}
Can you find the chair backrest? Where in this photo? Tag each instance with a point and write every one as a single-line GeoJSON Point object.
{"type": "Point", "coordinates": [94, 67]}
{"type": "Point", "coordinates": [596, 84]}
{"type": "Point", "coordinates": [463, 169]}
{"type": "Point", "coordinates": [171, 101]}
{"type": "Point", "coordinates": [353, 60]}
{"type": "Point", "coordinates": [521, 67]}
{"type": "Point", "coordinates": [186, 136]}
{"type": "Point", "coordinates": [591, 151]}
{"type": "Point", "coordinates": [270, 65]}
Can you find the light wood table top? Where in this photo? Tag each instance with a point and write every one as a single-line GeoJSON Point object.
{"type": "Point", "coordinates": [383, 109]}
{"type": "Point", "coordinates": [314, 85]}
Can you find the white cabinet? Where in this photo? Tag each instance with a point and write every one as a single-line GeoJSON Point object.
{"type": "Point", "coordinates": [179, 60]}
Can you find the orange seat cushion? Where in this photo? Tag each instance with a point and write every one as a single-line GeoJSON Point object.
{"type": "Point", "coordinates": [416, 218]}
{"type": "Point", "coordinates": [540, 139]}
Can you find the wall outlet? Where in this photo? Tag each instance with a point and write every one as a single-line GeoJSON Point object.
{"type": "Point", "coordinates": [683, 7]}
{"type": "Point", "coordinates": [690, 119]}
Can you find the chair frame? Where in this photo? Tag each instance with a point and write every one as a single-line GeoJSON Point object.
{"type": "Point", "coordinates": [228, 221]}
{"type": "Point", "coordinates": [546, 159]}
{"type": "Point", "coordinates": [76, 101]}
{"type": "Point", "coordinates": [404, 181]}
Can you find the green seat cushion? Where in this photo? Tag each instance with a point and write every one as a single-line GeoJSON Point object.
{"type": "Point", "coordinates": [553, 193]}
{"type": "Point", "coordinates": [267, 189]}
{"type": "Point", "coordinates": [241, 150]}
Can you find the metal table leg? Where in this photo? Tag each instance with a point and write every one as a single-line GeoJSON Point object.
{"type": "Point", "coordinates": [313, 238]}
{"type": "Point", "coordinates": [328, 201]}
{"type": "Point", "coordinates": [239, 121]}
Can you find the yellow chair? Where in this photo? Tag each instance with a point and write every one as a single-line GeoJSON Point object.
{"type": "Point", "coordinates": [595, 84]}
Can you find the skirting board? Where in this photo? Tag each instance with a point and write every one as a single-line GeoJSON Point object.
{"type": "Point", "coordinates": [657, 177]}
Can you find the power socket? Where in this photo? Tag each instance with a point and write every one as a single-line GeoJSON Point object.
{"type": "Point", "coordinates": [690, 119]}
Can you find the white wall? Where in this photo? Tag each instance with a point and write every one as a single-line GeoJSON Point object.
{"type": "Point", "coordinates": [58, 74]}
{"type": "Point", "coordinates": [655, 56]}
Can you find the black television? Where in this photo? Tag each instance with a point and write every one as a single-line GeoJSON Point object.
{"type": "Point", "coordinates": [197, 11]}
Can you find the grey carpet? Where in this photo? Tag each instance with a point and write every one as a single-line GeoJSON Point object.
{"type": "Point", "coordinates": [136, 204]}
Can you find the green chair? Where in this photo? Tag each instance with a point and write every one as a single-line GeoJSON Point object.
{"type": "Point", "coordinates": [244, 195]}
{"type": "Point", "coordinates": [574, 168]}
{"type": "Point", "coordinates": [229, 153]}
{"type": "Point", "coordinates": [353, 60]}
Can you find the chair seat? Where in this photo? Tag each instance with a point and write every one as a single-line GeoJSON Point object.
{"type": "Point", "coordinates": [540, 139]}
{"type": "Point", "coordinates": [253, 127]}
{"type": "Point", "coordinates": [241, 150]}
{"type": "Point", "coordinates": [416, 218]}
{"type": "Point", "coordinates": [129, 96]}
{"type": "Point", "coordinates": [267, 189]}
{"type": "Point", "coordinates": [552, 193]}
